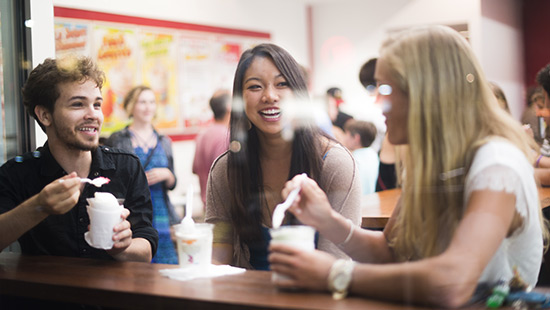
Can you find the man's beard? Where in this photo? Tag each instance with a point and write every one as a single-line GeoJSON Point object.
{"type": "Point", "coordinates": [65, 135]}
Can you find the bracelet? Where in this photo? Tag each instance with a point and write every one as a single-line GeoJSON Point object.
{"type": "Point", "coordinates": [538, 161]}
{"type": "Point", "coordinates": [349, 234]}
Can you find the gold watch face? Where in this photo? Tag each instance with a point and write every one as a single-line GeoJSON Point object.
{"type": "Point", "coordinates": [341, 281]}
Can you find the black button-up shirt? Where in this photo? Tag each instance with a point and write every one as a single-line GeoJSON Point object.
{"type": "Point", "coordinates": [63, 235]}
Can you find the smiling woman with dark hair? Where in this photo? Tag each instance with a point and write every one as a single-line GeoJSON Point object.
{"type": "Point", "coordinates": [245, 183]}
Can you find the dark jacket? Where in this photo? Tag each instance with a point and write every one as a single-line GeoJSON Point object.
{"type": "Point", "coordinates": [123, 140]}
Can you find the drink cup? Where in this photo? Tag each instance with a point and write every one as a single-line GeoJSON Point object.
{"type": "Point", "coordinates": [102, 223]}
{"type": "Point", "coordinates": [298, 236]}
{"type": "Point", "coordinates": [194, 244]}
{"type": "Point", "coordinates": [104, 214]}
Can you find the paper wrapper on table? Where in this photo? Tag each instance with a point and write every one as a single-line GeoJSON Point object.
{"type": "Point", "coordinates": [206, 271]}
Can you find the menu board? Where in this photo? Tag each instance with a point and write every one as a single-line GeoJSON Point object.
{"type": "Point", "coordinates": [184, 64]}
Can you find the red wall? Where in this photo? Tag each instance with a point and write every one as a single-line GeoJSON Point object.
{"type": "Point", "coordinates": [536, 34]}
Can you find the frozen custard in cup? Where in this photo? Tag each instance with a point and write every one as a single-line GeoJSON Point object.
{"type": "Point", "coordinates": [194, 244]}
{"type": "Point", "coordinates": [105, 212]}
{"type": "Point", "coordinates": [298, 236]}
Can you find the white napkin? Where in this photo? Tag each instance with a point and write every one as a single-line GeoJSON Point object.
{"type": "Point", "coordinates": [195, 272]}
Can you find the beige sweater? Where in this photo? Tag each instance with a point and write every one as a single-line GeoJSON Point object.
{"type": "Point", "coordinates": [338, 179]}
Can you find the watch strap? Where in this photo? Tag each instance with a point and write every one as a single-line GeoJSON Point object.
{"type": "Point", "coordinates": [341, 270]}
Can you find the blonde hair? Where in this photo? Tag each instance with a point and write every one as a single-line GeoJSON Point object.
{"type": "Point", "coordinates": [452, 112]}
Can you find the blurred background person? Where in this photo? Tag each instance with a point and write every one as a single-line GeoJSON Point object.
{"type": "Point", "coordinates": [542, 164]}
{"type": "Point", "coordinates": [543, 161]}
{"type": "Point", "coordinates": [388, 169]}
{"type": "Point", "coordinates": [338, 118]}
{"type": "Point", "coordinates": [212, 141]}
{"type": "Point", "coordinates": [320, 112]}
{"type": "Point", "coordinates": [358, 137]}
{"type": "Point", "coordinates": [245, 183]}
{"type": "Point", "coordinates": [499, 94]}
{"type": "Point", "coordinates": [543, 79]}
{"type": "Point", "coordinates": [155, 153]}
{"type": "Point", "coordinates": [366, 76]}
{"type": "Point", "coordinates": [387, 152]}
{"type": "Point", "coordinates": [531, 115]}
{"type": "Point", "coordinates": [369, 111]}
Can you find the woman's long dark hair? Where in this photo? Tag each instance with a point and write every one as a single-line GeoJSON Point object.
{"type": "Point", "coordinates": [244, 169]}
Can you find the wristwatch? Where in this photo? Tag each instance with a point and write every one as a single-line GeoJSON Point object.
{"type": "Point", "coordinates": [339, 278]}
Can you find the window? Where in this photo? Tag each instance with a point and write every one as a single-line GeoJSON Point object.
{"type": "Point", "coordinates": [16, 128]}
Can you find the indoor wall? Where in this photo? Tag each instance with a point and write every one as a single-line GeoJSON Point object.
{"type": "Point", "coordinates": [331, 37]}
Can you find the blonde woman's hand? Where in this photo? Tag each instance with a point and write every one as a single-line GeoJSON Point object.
{"type": "Point", "coordinates": [311, 206]}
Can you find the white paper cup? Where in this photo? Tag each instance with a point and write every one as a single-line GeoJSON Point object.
{"type": "Point", "coordinates": [298, 236]}
{"type": "Point", "coordinates": [102, 223]}
{"type": "Point", "coordinates": [195, 246]}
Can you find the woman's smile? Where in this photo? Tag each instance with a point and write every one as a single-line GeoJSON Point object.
{"type": "Point", "coordinates": [271, 114]}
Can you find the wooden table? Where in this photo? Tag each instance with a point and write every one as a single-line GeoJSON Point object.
{"type": "Point", "coordinates": [130, 285]}
{"type": "Point", "coordinates": [544, 196]}
{"type": "Point", "coordinates": [377, 208]}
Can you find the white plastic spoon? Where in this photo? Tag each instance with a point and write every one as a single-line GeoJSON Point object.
{"type": "Point", "coordinates": [97, 182]}
{"type": "Point", "coordinates": [280, 209]}
{"type": "Point", "coordinates": [187, 222]}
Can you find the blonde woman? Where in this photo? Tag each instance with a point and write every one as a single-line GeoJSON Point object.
{"type": "Point", "coordinates": [155, 154]}
{"type": "Point", "coordinates": [469, 212]}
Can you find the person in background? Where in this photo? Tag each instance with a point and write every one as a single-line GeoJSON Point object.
{"type": "Point", "coordinates": [245, 183]}
{"type": "Point", "coordinates": [320, 112]}
{"type": "Point", "coordinates": [369, 111]}
{"type": "Point", "coordinates": [387, 175]}
{"type": "Point", "coordinates": [542, 163]}
{"type": "Point", "coordinates": [366, 76]}
{"type": "Point", "coordinates": [214, 140]}
{"type": "Point", "coordinates": [358, 137]}
{"type": "Point", "coordinates": [469, 213]}
{"type": "Point", "coordinates": [155, 154]}
{"type": "Point", "coordinates": [531, 117]}
{"type": "Point", "coordinates": [338, 118]}
{"type": "Point", "coordinates": [499, 94]}
{"type": "Point", "coordinates": [388, 170]}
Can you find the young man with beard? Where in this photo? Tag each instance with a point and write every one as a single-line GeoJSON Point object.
{"type": "Point", "coordinates": [42, 200]}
